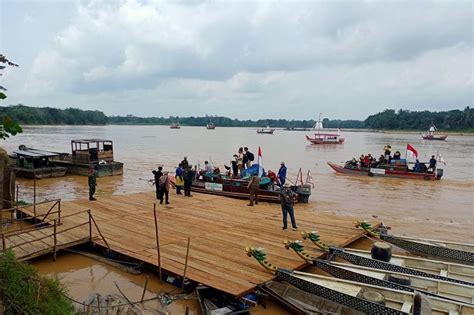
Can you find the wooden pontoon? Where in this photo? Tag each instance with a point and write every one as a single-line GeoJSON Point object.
{"type": "Point", "coordinates": [96, 153]}
{"type": "Point", "coordinates": [34, 163]}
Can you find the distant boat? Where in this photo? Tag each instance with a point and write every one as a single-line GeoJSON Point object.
{"type": "Point", "coordinates": [267, 130]}
{"type": "Point", "coordinates": [430, 135]}
{"type": "Point", "coordinates": [211, 126]}
{"type": "Point", "coordinates": [175, 125]}
{"type": "Point", "coordinates": [324, 138]}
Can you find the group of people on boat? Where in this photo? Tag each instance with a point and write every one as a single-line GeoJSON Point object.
{"type": "Point", "coordinates": [240, 161]}
{"type": "Point", "coordinates": [387, 159]}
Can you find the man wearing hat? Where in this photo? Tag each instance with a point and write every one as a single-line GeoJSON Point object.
{"type": "Point", "coordinates": [92, 181]}
{"type": "Point", "coordinates": [282, 174]}
{"type": "Point", "coordinates": [287, 199]}
{"type": "Point", "coordinates": [164, 188]}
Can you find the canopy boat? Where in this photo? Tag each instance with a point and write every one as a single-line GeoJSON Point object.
{"type": "Point", "coordinates": [267, 130]}
{"type": "Point", "coordinates": [462, 253]}
{"type": "Point", "coordinates": [211, 126]}
{"type": "Point", "coordinates": [397, 169]}
{"type": "Point", "coordinates": [34, 163]}
{"type": "Point", "coordinates": [175, 125]}
{"type": "Point", "coordinates": [223, 185]}
{"type": "Point", "coordinates": [92, 153]}
{"type": "Point", "coordinates": [324, 137]}
{"type": "Point", "coordinates": [430, 135]}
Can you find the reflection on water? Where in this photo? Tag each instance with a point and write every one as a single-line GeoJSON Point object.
{"type": "Point", "coordinates": [410, 206]}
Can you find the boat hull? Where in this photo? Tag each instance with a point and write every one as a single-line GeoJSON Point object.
{"type": "Point", "coordinates": [322, 141]}
{"type": "Point", "coordinates": [265, 132]}
{"type": "Point", "coordinates": [384, 172]}
{"type": "Point", "coordinates": [428, 137]}
{"type": "Point", "coordinates": [46, 172]}
{"type": "Point", "coordinates": [102, 170]}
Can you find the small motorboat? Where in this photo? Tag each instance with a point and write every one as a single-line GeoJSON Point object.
{"type": "Point", "coordinates": [175, 125]}
{"type": "Point", "coordinates": [267, 130]}
{"type": "Point", "coordinates": [321, 137]}
{"type": "Point", "coordinates": [210, 126]}
{"type": "Point", "coordinates": [431, 134]}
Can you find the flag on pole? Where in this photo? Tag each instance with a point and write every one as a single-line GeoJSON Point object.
{"type": "Point", "coordinates": [259, 161]}
{"type": "Point", "coordinates": [411, 152]}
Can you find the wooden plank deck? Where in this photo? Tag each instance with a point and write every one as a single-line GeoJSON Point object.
{"type": "Point", "coordinates": [220, 228]}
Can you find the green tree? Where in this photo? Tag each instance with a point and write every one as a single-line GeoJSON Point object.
{"type": "Point", "coordinates": [8, 126]}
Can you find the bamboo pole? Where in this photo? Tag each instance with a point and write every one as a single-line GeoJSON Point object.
{"type": "Point", "coordinates": [144, 289]}
{"type": "Point", "coordinates": [55, 240]}
{"type": "Point", "coordinates": [185, 264]}
{"type": "Point", "coordinates": [157, 243]}
{"type": "Point", "coordinates": [17, 193]}
{"type": "Point", "coordinates": [90, 224]}
{"type": "Point", "coordinates": [4, 242]}
{"type": "Point", "coordinates": [59, 212]}
{"type": "Point", "coordinates": [34, 194]}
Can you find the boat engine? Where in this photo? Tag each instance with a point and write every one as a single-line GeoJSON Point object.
{"type": "Point", "coordinates": [439, 173]}
{"type": "Point", "coordinates": [304, 191]}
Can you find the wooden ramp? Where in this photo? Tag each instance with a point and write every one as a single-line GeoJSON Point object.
{"type": "Point", "coordinates": [220, 228]}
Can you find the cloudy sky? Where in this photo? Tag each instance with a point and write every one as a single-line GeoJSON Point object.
{"type": "Point", "coordinates": [243, 59]}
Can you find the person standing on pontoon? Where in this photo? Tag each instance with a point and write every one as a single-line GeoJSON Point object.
{"type": "Point", "coordinates": [282, 174]}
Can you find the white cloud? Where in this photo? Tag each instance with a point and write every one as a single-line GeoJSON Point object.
{"type": "Point", "coordinates": [284, 59]}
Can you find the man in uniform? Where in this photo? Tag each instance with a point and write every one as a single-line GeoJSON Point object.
{"type": "Point", "coordinates": [92, 181]}
{"type": "Point", "coordinates": [253, 186]}
{"type": "Point", "coordinates": [287, 199]}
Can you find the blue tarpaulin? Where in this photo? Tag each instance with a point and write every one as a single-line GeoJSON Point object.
{"type": "Point", "coordinates": [252, 170]}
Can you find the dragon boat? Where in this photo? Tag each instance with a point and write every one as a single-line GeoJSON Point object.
{"type": "Point", "coordinates": [462, 253]}
{"type": "Point", "coordinates": [390, 170]}
{"type": "Point", "coordinates": [363, 297]}
{"type": "Point", "coordinates": [395, 280]}
{"type": "Point", "coordinates": [435, 269]}
{"type": "Point", "coordinates": [223, 185]}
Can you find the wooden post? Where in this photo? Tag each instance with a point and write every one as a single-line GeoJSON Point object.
{"type": "Point", "coordinates": [17, 187]}
{"type": "Point", "coordinates": [185, 264]}
{"type": "Point", "coordinates": [144, 289]}
{"type": "Point", "coordinates": [59, 211]}
{"type": "Point", "coordinates": [4, 243]}
{"type": "Point", "coordinates": [34, 194]}
{"type": "Point", "coordinates": [157, 243]}
{"type": "Point", "coordinates": [55, 240]}
{"type": "Point", "coordinates": [90, 225]}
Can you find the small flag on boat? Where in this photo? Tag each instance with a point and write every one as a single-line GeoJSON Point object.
{"type": "Point", "coordinates": [259, 161]}
{"type": "Point", "coordinates": [411, 152]}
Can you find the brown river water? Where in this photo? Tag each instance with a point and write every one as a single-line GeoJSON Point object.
{"type": "Point", "coordinates": [432, 209]}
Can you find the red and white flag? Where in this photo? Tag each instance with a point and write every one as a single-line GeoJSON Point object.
{"type": "Point", "coordinates": [411, 152]}
{"type": "Point", "coordinates": [259, 161]}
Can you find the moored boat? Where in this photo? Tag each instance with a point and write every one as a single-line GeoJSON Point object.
{"type": "Point", "coordinates": [35, 163]}
{"type": "Point", "coordinates": [92, 153]}
{"type": "Point", "coordinates": [175, 125]}
{"type": "Point", "coordinates": [394, 171]}
{"type": "Point", "coordinates": [267, 130]}
{"type": "Point", "coordinates": [321, 137]}
{"type": "Point", "coordinates": [431, 134]}
{"type": "Point", "coordinates": [210, 126]}
{"type": "Point", "coordinates": [214, 302]}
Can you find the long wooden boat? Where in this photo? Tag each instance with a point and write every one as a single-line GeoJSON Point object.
{"type": "Point", "coordinates": [175, 125]}
{"type": "Point", "coordinates": [391, 279]}
{"type": "Point", "coordinates": [300, 302]}
{"type": "Point", "coordinates": [372, 299]}
{"type": "Point", "coordinates": [387, 171]}
{"type": "Point", "coordinates": [400, 281]}
{"type": "Point", "coordinates": [91, 153]}
{"type": "Point", "coordinates": [35, 163]}
{"type": "Point", "coordinates": [223, 185]}
{"type": "Point", "coordinates": [321, 137]}
{"type": "Point", "coordinates": [462, 253]}
{"type": "Point", "coordinates": [363, 258]}
{"type": "Point", "coordinates": [215, 302]}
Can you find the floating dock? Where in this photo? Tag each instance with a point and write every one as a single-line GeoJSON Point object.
{"type": "Point", "coordinates": [219, 229]}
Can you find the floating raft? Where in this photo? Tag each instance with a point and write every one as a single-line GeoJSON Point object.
{"type": "Point", "coordinates": [219, 229]}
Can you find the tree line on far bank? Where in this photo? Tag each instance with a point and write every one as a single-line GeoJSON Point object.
{"type": "Point", "coordinates": [388, 119]}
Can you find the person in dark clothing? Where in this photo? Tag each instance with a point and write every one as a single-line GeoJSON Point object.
{"type": "Point", "coordinates": [92, 181]}
{"type": "Point", "coordinates": [417, 167]}
{"type": "Point", "coordinates": [235, 167]}
{"type": "Point", "coordinates": [157, 175]}
{"type": "Point", "coordinates": [253, 186]}
{"type": "Point", "coordinates": [184, 163]}
{"type": "Point", "coordinates": [432, 163]}
{"type": "Point", "coordinates": [248, 157]}
{"type": "Point", "coordinates": [287, 199]}
{"type": "Point", "coordinates": [397, 156]}
{"type": "Point", "coordinates": [188, 181]}
{"type": "Point", "coordinates": [164, 188]}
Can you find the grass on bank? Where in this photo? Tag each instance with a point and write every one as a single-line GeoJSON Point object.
{"type": "Point", "coordinates": [23, 291]}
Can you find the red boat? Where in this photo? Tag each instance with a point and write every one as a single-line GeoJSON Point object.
{"type": "Point", "coordinates": [395, 171]}
{"type": "Point", "coordinates": [324, 138]}
{"type": "Point", "coordinates": [222, 185]}
{"type": "Point", "coordinates": [430, 135]}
